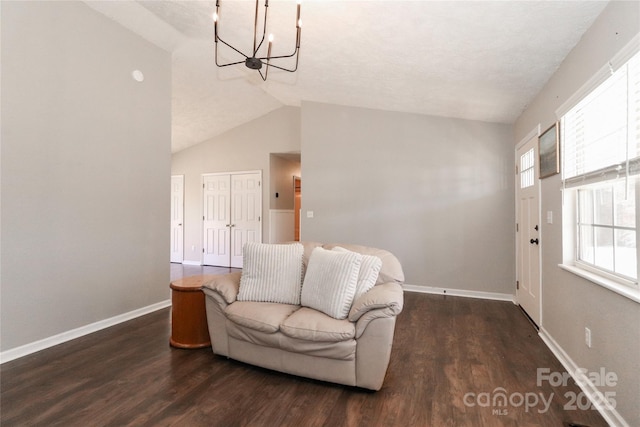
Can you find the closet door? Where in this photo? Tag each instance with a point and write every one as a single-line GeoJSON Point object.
{"type": "Point", "coordinates": [232, 209]}
{"type": "Point", "coordinates": [216, 220]}
{"type": "Point", "coordinates": [246, 211]}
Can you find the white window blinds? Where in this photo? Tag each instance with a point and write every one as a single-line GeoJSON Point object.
{"type": "Point", "coordinates": [601, 134]}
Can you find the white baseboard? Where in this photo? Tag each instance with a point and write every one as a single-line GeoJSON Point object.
{"type": "Point", "coordinates": [185, 262]}
{"type": "Point", "coordinates": [459, 293]}
{"type": "Point", "coordinates": [24, 350]}
{"type": "Point", "coordinates": [608, 412]}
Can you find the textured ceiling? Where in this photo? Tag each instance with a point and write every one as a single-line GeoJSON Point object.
{"type": "Point", "coordinates": [477, 60]}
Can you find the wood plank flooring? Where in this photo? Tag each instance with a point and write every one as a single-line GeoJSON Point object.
{"type": "Point", "coordinates": [444, 348]}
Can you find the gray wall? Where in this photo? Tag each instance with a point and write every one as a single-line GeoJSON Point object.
{"type": "Point", "coordinates": [569, 303]}
{"type": "Point", "coordinates": [85, 170]}
{"type": "Point", "coordinates": [436, 192]}
{"type": "Point", "coordinates": [247, 147]}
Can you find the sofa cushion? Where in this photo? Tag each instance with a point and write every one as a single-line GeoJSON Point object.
{"type": "Point", "coordinates": [391, 270]}
{"type": "Point", "coordinates": [330, 281]}
{"type": "Point", "coordinates": [308, 249]}
{"type": "Point", "coordinates": [368, 275]}
{"type": "Point", "coordinates": [312, 325]}
{"type": "Point", "coordinates": [261, 316]}
{"type": "Point", "coordinates": [271, 273]}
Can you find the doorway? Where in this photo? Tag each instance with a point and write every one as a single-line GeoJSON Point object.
{"type": "Point", "coordinates": [528, 268]}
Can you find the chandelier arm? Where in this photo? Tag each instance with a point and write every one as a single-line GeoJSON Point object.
{"type": "Point", "coordinates": [231, 63]}
{"type": "Point", "coordinates": [280, 56]}
{"type": "Point", "coordinates": [227, 44]}
{"type": "Point", "coordinates": [282, 68]}
{"type": "Point", "coordinates": [255, 27]}
{"type": "Point", "coordinates": [264, 27]}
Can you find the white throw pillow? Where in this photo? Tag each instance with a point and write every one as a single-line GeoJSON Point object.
{"type": "Point", "coordinates": [271, 273]}
{"type": "Point", "coordinates": [330, 281]}
{"type": "Point", "coordinates": [368, 275]}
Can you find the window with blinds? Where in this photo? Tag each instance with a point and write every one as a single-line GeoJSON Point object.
{"type": "Point", "coordinates": [601, 134]}
{"type": "Point", "coordinates": [601, 160]}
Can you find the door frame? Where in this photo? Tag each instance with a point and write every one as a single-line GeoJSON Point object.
{"type": "Point", "coordinates": [532, 134]}
{"type": "Point", "coordinates": [202, 176]}
{"type": "Point", "coordinates": [297, 213]}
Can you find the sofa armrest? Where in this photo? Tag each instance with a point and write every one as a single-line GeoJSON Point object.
{"type": "Point", "coordinates": [382, 301]}
{"type": "Point", "coordinates": [388, 298]}
{"type": "Point", "coordinates": [225, 285]}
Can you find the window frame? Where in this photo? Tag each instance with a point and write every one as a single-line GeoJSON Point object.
{"type": "Point", "coordinates": [618, 283]}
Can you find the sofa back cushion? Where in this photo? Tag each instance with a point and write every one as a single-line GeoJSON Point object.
{"type": "Point", "coordinates": [368, 275]}
{"type": "Point", "coordinates": [271, 273]}
{"type": "Point", "coordinates": [391, 269]}
{"type": "Point", "coordinates": [330, 281]}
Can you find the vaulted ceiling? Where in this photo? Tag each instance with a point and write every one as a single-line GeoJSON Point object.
{"type": "Point", "coordinates": [476, 60]}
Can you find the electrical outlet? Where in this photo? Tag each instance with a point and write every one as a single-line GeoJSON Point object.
{"type": "Point", "coordinates": [587, 337]}
{"type": "Point", "coordinates": [193, 248]}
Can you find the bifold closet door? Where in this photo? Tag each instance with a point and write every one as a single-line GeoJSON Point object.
{"type": "Point", "coordinates": [231, 217]}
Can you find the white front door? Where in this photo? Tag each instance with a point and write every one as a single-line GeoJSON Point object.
{"type": "Point", "coordinates": [216, 220]}
{"type": "Point", "coordinates": [528, 290]}
{"type": "Point", "coordinates": [231, 217]}
{"type": "Point", "coordinates": [177, 218]}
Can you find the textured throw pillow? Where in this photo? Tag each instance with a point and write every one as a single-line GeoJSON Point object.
{"type": "Point", "coordinates": [271, 273]}
{"type": "Point", "coordinates": [330, 282]}
{"type": "Point", "coordinates": [368, 275]}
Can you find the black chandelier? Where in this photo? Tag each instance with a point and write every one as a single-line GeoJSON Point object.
{"type": "Point", "coordinates": [253, 61]}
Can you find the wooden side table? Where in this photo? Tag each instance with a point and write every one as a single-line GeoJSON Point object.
{"type": "Point", "coordinates": [189, 327]}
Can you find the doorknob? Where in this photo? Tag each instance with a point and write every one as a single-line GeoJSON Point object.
{"type": "Point", "coordinates": [532, 241]}
{"type": "Point", "coordinates": [180, 225]}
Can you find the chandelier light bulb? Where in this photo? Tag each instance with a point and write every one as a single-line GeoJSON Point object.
{"type": "Point", "coordinates": [299, 23]}
{"type": "Point", "coordinates": [270, 38]}
{"type": "Point", "coordinates": [215, 17]}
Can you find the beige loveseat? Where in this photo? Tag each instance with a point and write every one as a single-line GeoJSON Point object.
{"type": "Point", "coordinates": [303, 341]}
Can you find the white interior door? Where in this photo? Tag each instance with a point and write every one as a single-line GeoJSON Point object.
{"type": "Point", "coordinates": [246, 211]}
{"type": "Point", "coordinates": [216, 220]}
{"type": "Point", "coordinates": [528, 292]}
{"type": "Point", "coordinates": [177, 218]}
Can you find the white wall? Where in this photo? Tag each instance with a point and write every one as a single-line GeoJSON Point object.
{"type": "Point", "coordinates": [436, 192]}
{"type": "Point", "coordinates": [569, 303]}
{"type": "Point", "coordinates": [247, 147]}
{"type": "Point", "coordinates": [85, 170]}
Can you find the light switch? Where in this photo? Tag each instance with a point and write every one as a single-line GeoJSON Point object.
{"type": "Point", "coordinates": [549, 217]}
{"type": "Point", "coordinates": [309, 214]}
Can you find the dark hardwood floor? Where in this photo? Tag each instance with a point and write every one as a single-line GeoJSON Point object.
{"type": "Point", "coordinates": [449, 355]}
